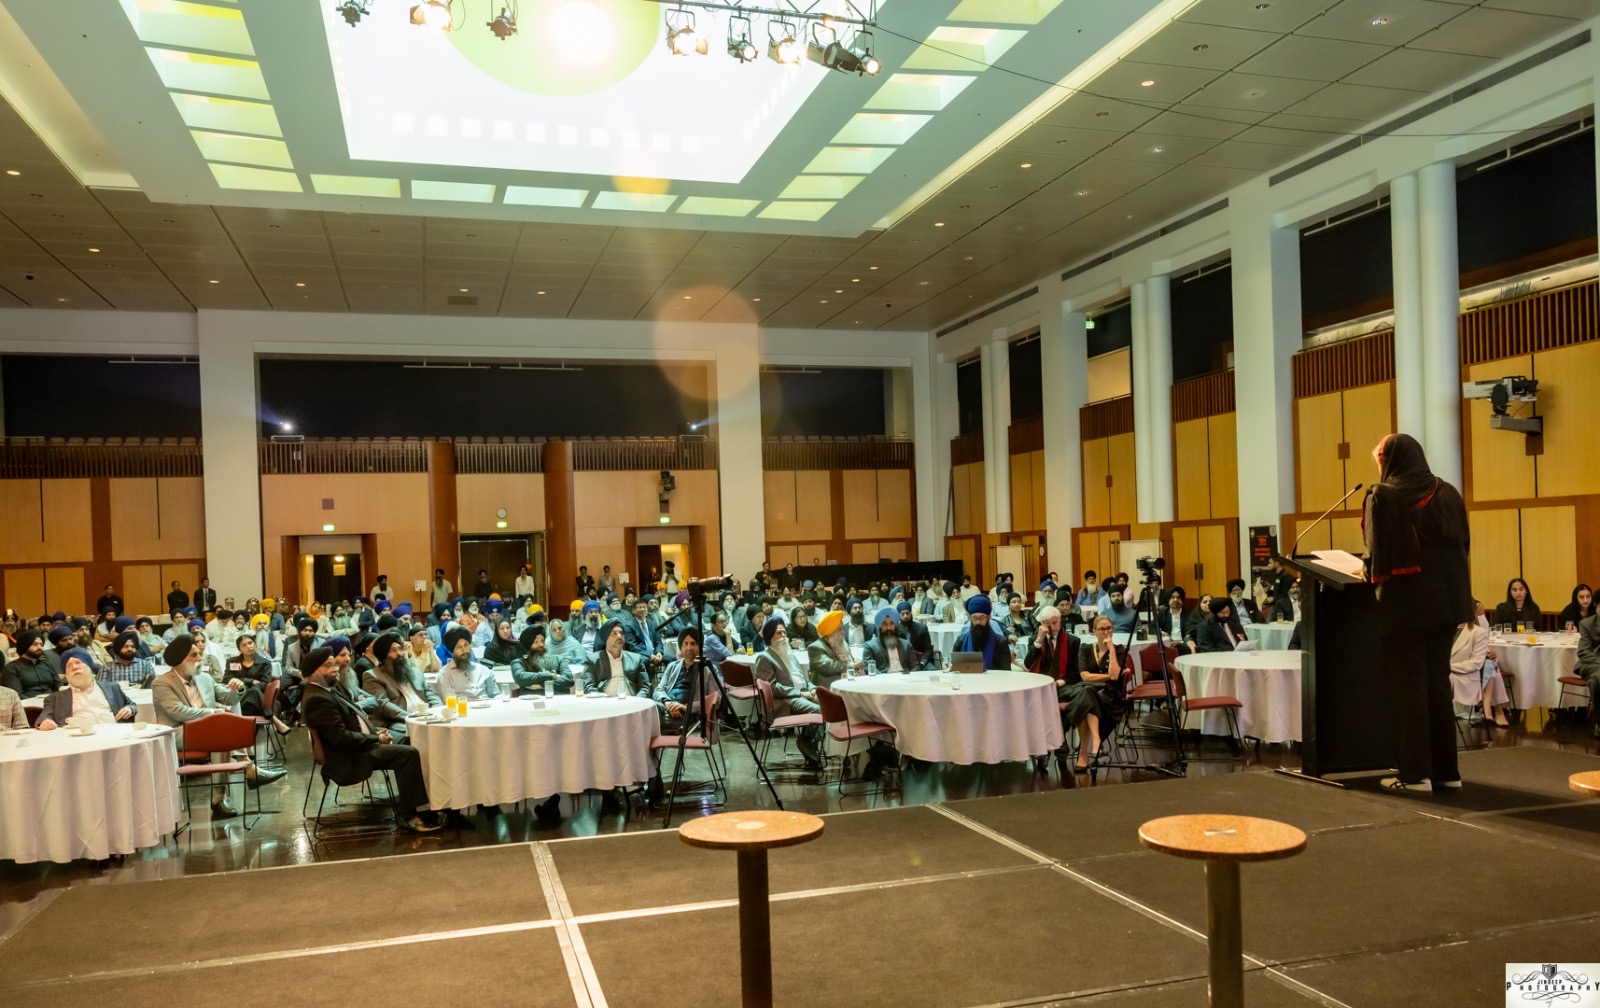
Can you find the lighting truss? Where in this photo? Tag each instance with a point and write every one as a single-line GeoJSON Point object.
{"type": "Point", "coordinates": [860, 13]}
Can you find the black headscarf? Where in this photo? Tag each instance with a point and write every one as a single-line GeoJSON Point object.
{"type": "Point", "coordinates": [1399, 512]}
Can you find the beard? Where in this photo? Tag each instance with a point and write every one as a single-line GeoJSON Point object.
{"type": "Point", "coordinates": [857, 618]}
{"type": "Point", "coordinates": [781, 649]}
{"type": "Point", "coordinates": [980, 635]}
{"type": "Point", "coordinates": [1117, 605]}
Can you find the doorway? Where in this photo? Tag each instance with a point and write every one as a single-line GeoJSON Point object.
{"type": "Point", "coordinates": [335, 576]}
{"type": "Point", "coordinates": [502, 557]}
{"type": "Point", "coordinates": [648, 557]}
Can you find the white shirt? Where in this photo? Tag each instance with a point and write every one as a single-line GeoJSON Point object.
{"type": "Point", "coordinates": [524, 585]}
{"type": "Point", "coordinates": [93, 702]}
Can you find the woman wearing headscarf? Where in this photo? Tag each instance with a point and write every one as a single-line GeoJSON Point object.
{"type": "Point", "coordinates": [503, 649]}
{"type": "Point", "coordinates": [1417, 541]}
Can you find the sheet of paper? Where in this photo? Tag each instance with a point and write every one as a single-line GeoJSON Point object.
{"type": "Point", "coordinates": [1339, 560]}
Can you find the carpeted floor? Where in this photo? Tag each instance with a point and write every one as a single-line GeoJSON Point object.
{"type": "Point", "coordinates": [1024, 900]}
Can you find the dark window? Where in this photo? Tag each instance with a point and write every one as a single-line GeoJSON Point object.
{"type": "Point", "coordinates": [94, 397]}
{"type": "Point", "coordinates": [1027, 385]}
{"type": "Point", "coordinates": [969, 396]}
{"type": "Point", "coordinates": [833, 402]}
{"type": "Point", "coordinates": [1113, 330]}
{"type": "Point", "coordinates": [1345, 271]}
{"type": "Point", "coordinates": [1531, 211]}
{"type": "Point", "coordinates": [1202, 324]}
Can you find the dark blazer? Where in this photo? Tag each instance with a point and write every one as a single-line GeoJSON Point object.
{"type": "Point", "coordinates": [641, 639]}
{"type": "Point", "coordinates": [1506, 612]}
{"type": "Point", "coordinates": [204, 598]}
{"type": "Point", "coordinates": [58, 705]}
{"type": "Point", "coordinates": [917, 635]}
{"type": "Point", "coordinates": [1164, 622]}
{"type": "Point", "coordinates": [876, 656]}
{"type": "Point", "coordinates": [1087, 662]}
{"type": "Point", "coordinates": [598, 672]}
{"type": "Point", "coordinates": [346, 749]}
{"type": "Point", "coordinates": [1210, 637]}
{"type": "Point", "coordinates": [1063, 666]}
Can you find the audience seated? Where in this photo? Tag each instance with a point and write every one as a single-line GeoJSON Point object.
{"type": "Point", "coordinates": [1093, 704]}
{"type": "Point", "coordinates": [1124, 617]}
{"type": "Point", "coordinates": [255, 674]}
{"type": "Point", "coordinates": [503, 648]}
{"type": "Point", "coordinates": [1221, 631]}
{"type": "Point", "coordinates": [538, 667]}
{"type": "Point", "coordinates": [829, 655]}
{"type": "Point", "coordinates": [614, 670]}
{"type": "Point", "coordinates": [102, 700]}
{"type": "Point", "coordinates": [462, 676]}
{"type": "Point", "coordinates": [1589, 661]}
{"type": "Point", "coordinates": [1519, 608]}
{"type": "Point", "coordinates": [1475, 680]}
{"type": "Point", "coordinates": [1579, 609]}
{"type": "Point", "coordinates": [34, 672]}
{"type": "Point", "coordinates": [888, 651]}
{"type": "Point", "coordinates": [981, 637]}
{"type": "Point", "coordinates": [1172, 621]}
{"type": "Point", "coordinates": [1244, 608]}
{"type": "Point", "coordinates": [12, 714]}
{"type": "Point", "coordinates": [792, 691]}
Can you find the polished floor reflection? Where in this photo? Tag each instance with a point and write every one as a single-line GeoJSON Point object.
{"type": "Point", "coordinates": [283, 837]}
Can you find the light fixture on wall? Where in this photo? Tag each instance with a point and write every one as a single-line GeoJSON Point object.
{"type": "Point", "coordinates": [338, 558]}
{"type": "Point", "coordinates": [327, 527]}
{"type": "Point", "coordinates": [665, 519]}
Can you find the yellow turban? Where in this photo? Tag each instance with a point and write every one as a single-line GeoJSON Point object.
{"type": "Point", "coordinates": [267, 605]}
{"type": "Point", "coordinates": [534, 607]}
{"type": "Point", "coordinates": [829, 622]}
{"type": "Point", "coordinates": [258, 621]}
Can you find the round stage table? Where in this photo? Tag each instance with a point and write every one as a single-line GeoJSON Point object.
{"type": "Point", "coordinates": [65, 796]}
{"type": "Point", "coordinates": [1270, 636]}
{"type": "Point", "coordinates": [994, 717]}
{"type": "Point", "coordinates": [511, 751]}
{"type": "Point", "coordinates": [1266, 682]}
{"type": "Point", "coordinates": [1536, 666]}
{"type": "Point", "coordinates": [147, 710]}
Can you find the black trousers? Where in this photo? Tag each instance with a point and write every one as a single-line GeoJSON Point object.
{"type": "Point", "coordinates": [1417, 674]}
{"type": "Point", "coordinates": [406, 765]}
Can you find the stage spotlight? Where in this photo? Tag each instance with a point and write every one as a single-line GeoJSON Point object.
{"type": "Point", "coordinates": [433, 14]}
{"type": "Point", "coordinates": [353, 11]}
{"type": "Point", "coordinates": [835, 56]}
{"type": "Point", "coordinates": [682, 39]}
{"type": "Point", "coordinates": [504, 25]}
{"type": "Point", "coordinates": [739, 45]}
{"type": "Point", "coordinates": [781, 44]}
{"type": "Point", "coordinates": [861, 49]}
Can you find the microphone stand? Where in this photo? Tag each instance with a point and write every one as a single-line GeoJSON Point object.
{"type": "Point", "coordinates": [702, 670]}
{"type": "Point", "coordinates": [1322, 517]}
{"type": "Point", "coordinates": [1178, 765]}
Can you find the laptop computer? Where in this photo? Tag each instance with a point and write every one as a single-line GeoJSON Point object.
{"type": "Point", "coordinates": [966, 661]}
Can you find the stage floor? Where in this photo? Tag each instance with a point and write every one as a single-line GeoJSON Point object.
{"type": "Point", "coordinates": [1022, 900]}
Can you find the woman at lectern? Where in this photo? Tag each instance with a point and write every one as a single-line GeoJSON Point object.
{"type": "Point", "coordinates": [1416, 530]}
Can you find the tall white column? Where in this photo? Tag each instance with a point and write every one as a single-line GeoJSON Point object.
{"type": "Point", "coordinates": [1063, 358]}
{"type": "Point", "coordinates": [1406, 260]}
{"type": "Point", "coordinates": [996, 432]}
{"type": "Point", "coordinates": [897, 402]}
{"type": "Point", "coordinates": [740, 486]}
{"type": "Point", "coordinates": [1267, 330]}
{"type": "Point", "coordinates": [1138, 296]}
{"type": "Point", "coordinates": [229, 434]}
{"type": "Point", "coordinates": [930, 449]}
{"type": "Point", "coordinates": [1440, 283]}
{"type": "Point", "coordinates": [1155, 423]}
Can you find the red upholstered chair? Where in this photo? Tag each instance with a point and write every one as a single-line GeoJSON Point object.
{"type": "Point", "coordinates": [739, 677]}
{"type": "Point", "coordinates": [269, 701]}
{"type": "Point", "coordinates": [1573, 686]}
{"type": "Point", "coordinates": [221, 732]}
{"type": "Point", "coordinates": [1230, 706]}
{"type": "Point", "coordinates": [779, 724]}
{"type": "Point", "coordinates": [705, 738]}
{"type": "Point", "coordinates": [842, 729]}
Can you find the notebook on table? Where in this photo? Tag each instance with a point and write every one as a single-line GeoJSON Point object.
{"type": "Point", "coordinates": [966, 661]}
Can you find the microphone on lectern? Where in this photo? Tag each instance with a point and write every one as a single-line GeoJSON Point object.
{"type": "Point", "coordinates": [1296, 547]}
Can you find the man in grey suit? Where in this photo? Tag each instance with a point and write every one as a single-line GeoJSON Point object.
{"type": "Point", "coordinates": [614, 662]}
{"type": "Point", "coordinates": [184, 693]}
{"type": "Point", "coordinates": [792, 692]}
{"type": "Point", "coordinates": [84, 696]}
{"type": "Point", "coordinates": [888, 651]}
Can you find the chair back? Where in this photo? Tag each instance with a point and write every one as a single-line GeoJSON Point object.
{"type": "Point", "coordinates": [764, 701]}
{"type": "Point", "coordinates": [222, 731]}
{"type": "Point", "coordinates": [736, 671]}
{"type": "Point", "coordinates": [316, 746]}
{"type": "Point", "coordinates": [1148, 658]}
{"type": "Point", "coordinates": [269, 696]}
{"type": "Point", "coordinates": [832, 706]}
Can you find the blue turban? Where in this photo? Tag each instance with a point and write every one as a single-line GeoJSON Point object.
{"type": "Point", "coordinates": [382, 606]}
{"type": "Point", "coordinates": [122, 623]}
{"type": "Point", "coordinates": [494, 605]}
{"type": "Point", "coordinates": [78, 653]}
{"type": "Point", "coordinates": [440, 611]}
{"type": "Point", "coordinates": [403, 609]}
{"type": "Point", "coordinates": [590, 606]}
{"type": "Point", "coordinates": [338, 645]}
{"type": "Point", "coordinates": [903, 606]}
{"type": "Point", "coordinates": [197, 624]}
{"type": "Point", "coordinates": [1047, 585]}
{"type": "Point", "coordinates": [887, 612]}
{"type": "Point", "coordinates": [190, 611]}
{"type": "Point", "coordinates": [979, 604]}
{"type": "Point", "coordinates": [950, 587]}
{"type": "Point", "coordinates": [808, 584]}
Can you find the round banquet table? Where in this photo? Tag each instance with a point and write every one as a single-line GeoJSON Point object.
{"type": "Point", "coordinates": [1266, 682]}
{"type": "Point", "coordinates": [1270, 636]}
{"type": "Point", "coordinates": [502, 677]}
{"type": "Point", "coordinates": [147, 710]}
{"type": "Point", "coordinates": [508, 752]}
{"type": "Point", "coordinates": [65, 796]}
{"type": "Point", "coordinates": [943, 637]}
{"type": "Point", "coordinates": [1536, 666]}
{"type": "Point", "coordinates": [994, 717]}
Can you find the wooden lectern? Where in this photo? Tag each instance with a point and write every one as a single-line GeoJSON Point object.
{"type": "Point", "coordinates": [1344, 710]}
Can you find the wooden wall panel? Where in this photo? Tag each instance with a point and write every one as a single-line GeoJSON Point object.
{"type": "Point", "coordinates": [67, 518]}
{"type": "Point", "coordinates": [1549, 554]}
{"type": "Point", "coordinates": [810, 553]}
{"type": "Point", "coordinates": [22, 532]}
{"type": "Point", "coordinates": [864, 552]}
{"type": "Point", "coordinates": [25, 590]}
{"type": "Point", "coordinates": [142, 589]}
{"type": "Point", "coordinates": [1217, 561]}
{"type": "Point", "coordinates": [1496, 553]}
{"type": "Point", "coordinates": [778, 556]}
{"type": "Point", "coordinates": [1036, 462]}
{"type": "Point", "coordinates": [1096, 495]}
{"type": "Point", "coordinates": [480, 495]}
{"type": "Point", "coordinates": [964, 549]}
{"type": "Point", "coordinates": [876, 504]}
{"type": "Point", "coordinates": [1499, 463]}
{"type": "Point", "coordinates": [1368, 419]}
{"type": "Point", "coordinates": [1096, 551]}
{"type": "Point", "coordinates": [1319, 429]}
{"type": "Point", "coordinates": [1347, 534]}
{"type": "Point", "coordinates": [363, 503]}
{"type": "Point", "coordinates": [1184, 559]}
{"type": "Point", "coordinates": [1124, 488]}
{"type": "Point", "coordinates": [1224, 434]}
{"type": "Point", "coordinates": [188, 575]}
{"type": "Point", "coordinates": [1027, 491]}
{"type": "Point", "coordinates": [970, 514]}
{"type": "Point", "coordinates": [157, 519]}
{"type": "Point", "coordinates": [1569, 391]}
{"type": "Point", "coordinates": [1191, 456]}
{"type": "Point", "coordinates": [63, 588]}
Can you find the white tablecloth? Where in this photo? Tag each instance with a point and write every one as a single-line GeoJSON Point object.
{"type": "Point", "coordinates": [1266, 682]}
{"type": "Point", "coordinates": [1536, 667]}
{"type": "Point", "coordinates": [65, 796]}
{"type": "Point", "coordinates": [505, 753]}
{"type": "Point", "coordinates": [943, 637]}
{"type": "Point", "coordinates": [992, 718]}
{"type": "Point", "coordinates": [1270, 636]}
{"type": "Point", "coordinates": [147, 710]}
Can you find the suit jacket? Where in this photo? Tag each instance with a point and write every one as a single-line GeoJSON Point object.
{"type": "Point", "coordinates": [171, 701]}
{"type": "Point", "coordinates": [1589, 645]}
{"type": "Point", "coordinates": [786, 683]}
{"type": "Point", "coordinates": [598, 672]}
{"type": "Point", "coordinates": [346, 749]}
{"type": "Point", "coordinates": [877, 656]}
{"type": "Point", "coordinates": [204, 598]}
{"type": "Point", "coordinates": [1062, 666]}
{"type": "Point", "coordinates": [917, 637]}
{"type": "Point", "coordinates": [58, 705]}
{"type": "Point", "coordinates": [1210, 637]}
{"type": "Point", "coordinates": [640, 638]}
{"type": "Point", "coordinates": [31, 679]}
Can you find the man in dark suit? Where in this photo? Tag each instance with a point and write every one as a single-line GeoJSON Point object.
{"type": "Point", "coordinates": [177, 599]}
{"type": "Point", "coordinates": [205, 596]}
{"type": "Point", "coordinates": [1243, 606]}
{"type": "Point", "coordinates": [887, 651]}
{"type": "Point", "coordinates": [34, 671]}
{"type": "Point", "coordinates": [639, 633]}
{"type": "Point", "coordinates": [613, 661]}
{"type": "Point", "coordinates": [1589, 657]}
{"type": "Point", "coordinates": [104, 701]}
{"type": "Point", "coordinates": [916, 634]}
{"type": "Point", "coordinates": [1220, 631]}
{"type": "Point", "coordinates": [585, 582]}
{"type": "Point", "coordinates": [351, 750]}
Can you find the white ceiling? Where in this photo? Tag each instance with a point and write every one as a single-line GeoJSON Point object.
{"type": "Point", "coordinates": [1240, 87]}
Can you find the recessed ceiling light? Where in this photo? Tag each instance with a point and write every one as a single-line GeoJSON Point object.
{"type": "Point", "coordinates": [923, 283]}
{"type": "Point", "coordinates": [12, 171]}
{"type": "Point", "coordinates": [1202, 47]}
{"type": "Point", "coordinates": [1026, 164]}
{"type": "Point", "coordinates": [1157, 150]}
{"type": "Point", "coordinates": [462, 289]}
{"type": "Point", "coordinates": [1379, 22]}
{"type": "Point", "coordinates": [214, 281]}
{"type": "Point", "coordinates": [857, 279]}
{"type": "Point", "coordinates": [824, 300]}
{"type": "Point", "coordinates": [838, 292]}
{"type": "Point", "coordinates": [872, 267]}
{"type": "Point", "coordinates": [1083, 192]}
{"type": "Point", "coordinates": [1147, 83]}
{"type": "Point", "coordinates": [688, 297]}
{"type": "Point", "coordinates": [967, 259]}
{"type": "Point", "coordinates": [299, 285]}
{"type": "Point", "coordinates": [94, 250]}
{"type": "Point", "coordinates": [60, 299]}
{"type": "Point", "coordinates": [539, 292]}
{"type": "Point", "coordinates": [755, 299]}
{"type": "Point", "coordinates": [938, 223]}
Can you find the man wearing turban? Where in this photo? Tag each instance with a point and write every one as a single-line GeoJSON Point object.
{"type": "Point", "coordinates": [982, 637]}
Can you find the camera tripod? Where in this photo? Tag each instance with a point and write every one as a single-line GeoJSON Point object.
{"type": "Point", "coordinates": [695, 716]}
{"type": "Point", "coordinates": [1178, 765]}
